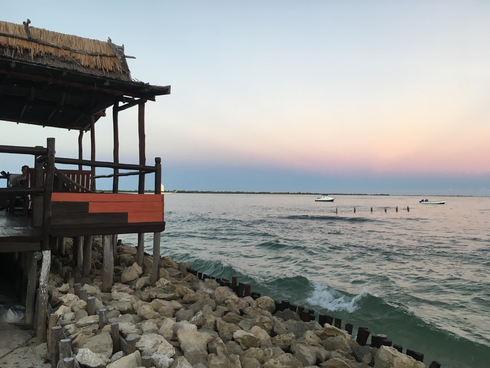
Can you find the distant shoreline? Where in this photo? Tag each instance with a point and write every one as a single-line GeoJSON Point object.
{"type": "Point", "coordinates": [290, 193]}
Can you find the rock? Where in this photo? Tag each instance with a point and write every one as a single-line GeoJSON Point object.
{"type": "Point", "coordinates": [142, 282]}
{"type": "Point", "coordinates": [131, 273]}
{"type": "Point", "coordinates": [155, 344]}
{"type": "Point", "coordinates": [92, 290]}
{"type": "Point", "coordinates": [129, 361]}
{"type": "Point", "coordinates": [148, 327]}
{"type": "Point", "coordinates": [215, 361]}
{"type": "Point", "coordinates": [167, 329]}
{"type": "Point", "coordinates": [283, 341]}
{"type": "Point", "coordinates": [226, 330]}
{"type": "Point", "coordinates": [62, 310]}
{"type": "Point", "coordinates": [337, 343]}
{"type": "Point", "coordinates": [266, 303]}
{"type": "Point", "coordinates": [283, 361]}
{"type": "Point", "coordinates": [90, 359]}
{"type": "Point", "coordinates": [89, 320]}
{"type": "Point", "coordinates": [389, 357]}
{"type": "Point", "coordinates": [101, 344]}
{"type": "Point", "coordinates": [181, 362]}
{"type": "Point", "coordinates": [194, 345]}
{"type": "Point", "coordinates": [184, 315]}
{"type": "Point", "coordinates": [261, 335]}
{"type": "Point", "coordinates": [335, 363]}
{"type": "Point", "coordinates": [246, 340]}
{"type": "Point", "coordinates": [147, 311]}
{"type": "Point", "coordinates": [306, 354]}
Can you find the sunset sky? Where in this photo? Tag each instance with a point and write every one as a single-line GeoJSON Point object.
{"type": "Point", "coordinates": [311, 96]}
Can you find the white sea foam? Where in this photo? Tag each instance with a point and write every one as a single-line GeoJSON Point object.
{"type": "Point", "coordinates": [333, 300]}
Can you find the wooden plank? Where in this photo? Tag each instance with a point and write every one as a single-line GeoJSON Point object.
{"type": "Point", "coordinates": [93, 229]}
{"type": "Point", "coordinates": [98, 207]}
{"type": "Point", "coordinates": [105, 197]}
{"type": "Point", "coordinates": [20, 246]}
{"type": "Point", "coordinates": [102, 219]}
{"type": "Point", "coordinates": [156, 216]}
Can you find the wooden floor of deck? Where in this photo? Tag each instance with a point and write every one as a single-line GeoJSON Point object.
{"type": "Point", "coordinates": [17, 234]}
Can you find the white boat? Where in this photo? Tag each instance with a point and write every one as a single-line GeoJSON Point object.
{"type": "Point", "coordinates": [426, 201]}
{"type": "Point", "coordinates": [324, 198]}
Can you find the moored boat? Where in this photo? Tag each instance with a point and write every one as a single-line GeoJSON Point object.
{"type": "Point", "coordinates": [324, 198]}
{"type": "Point", "coordinates": [426, 201]}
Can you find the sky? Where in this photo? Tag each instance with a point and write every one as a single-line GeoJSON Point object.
{"type": "Point", "coordinates": [375, 97]}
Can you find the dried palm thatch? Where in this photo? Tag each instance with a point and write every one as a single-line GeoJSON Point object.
{"type": "Point", "coordinates": [19, 41]}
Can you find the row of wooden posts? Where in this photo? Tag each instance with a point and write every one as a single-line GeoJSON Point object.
{"type": "Point", "coordinates": [385, 209]}
{"type": "Point", "coordinates": [60, 347]}
{"type": "Point", "coordinates": [307, 315]}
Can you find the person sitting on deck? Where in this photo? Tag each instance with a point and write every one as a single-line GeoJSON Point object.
{"type": "Point", "coordinates": [20, 181]}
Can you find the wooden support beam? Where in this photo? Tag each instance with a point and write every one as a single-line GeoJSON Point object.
{"type": "Point", "coordinates": [31, 287]}
{"type": "Point", "coordinates": [108, 264]}
{"type": "Point", "coordinates": [78, 251]}
{"type": "Point", "coordinates": [92, 149]}
{"type": "Point", "coordinates": [42, 305]}
{"type": "Point", "coordinates": [141, 182]}
{"type": "Point", "coordinates": [115, 123]}
{"type": "Point", "coordinates": [48, 190]}
{"type": "Point", "coordinates": [87, 256]}
{"type": "Point", "coordinates": [80, 148]}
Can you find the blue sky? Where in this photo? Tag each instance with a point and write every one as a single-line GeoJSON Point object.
{"type": "Point", "coordinates": [311, 96]}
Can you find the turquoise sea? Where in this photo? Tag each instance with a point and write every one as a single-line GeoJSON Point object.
{"type": "Point", "coordinates": [420, 276]}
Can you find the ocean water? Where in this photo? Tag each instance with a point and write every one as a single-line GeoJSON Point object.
{"type": "Point", "coordinates": [417, 273]}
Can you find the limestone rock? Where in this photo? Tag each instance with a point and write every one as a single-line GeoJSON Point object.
{"type": "Point", "coordinates": [128, 361]}
{"type": "Point", "coordinates": [155, 344]}
{"type": "Point", "coordinates": [389, 357]}
{"type": "Point", "coordinates": [131, 273]}
{"type": "Point", "coordinates": [283, 361]}
{"type": "Point", "coordinates": [194, 345]}
{"type": "Point", "coordinates": [90, 359]}
{"type": "Point", "coordinates": [246, 340]}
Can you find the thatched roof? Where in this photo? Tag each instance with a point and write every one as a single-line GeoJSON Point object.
{"type": "Point", "coordinates": [58, 80]}
{"type": "Point", "coordinates": [38, 45]}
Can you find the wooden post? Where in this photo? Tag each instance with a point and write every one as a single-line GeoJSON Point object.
{"type": "Point", "coordinates": [77, 288]}
{"type": "Point", "coordinates": [37, 200]}
{"type": "Point", "coordinates": [92, 150]}
{"type": "Point", "coordinates": [69, 362]}
{"type": "Point", "coordinates": [115, 337]}
{"type": "Point", "coordinates": [46, 225]}
{"type": "Point", "coordinates": [31, 287]}
{"type": "Point", "coordinates": [56, 335]}
{"type": "Point", "coordinates": [140, 251]}
{"type": "Point", "coordinates": [87, 256]}
{"type": "Point", "coordinates": [42, 304]}
{"type": "Point", "coordinates": [146, 361]}
{"type": "Point", "coordinates": [102, 317]}
{"type": "Point", "coordinates": [141, 179]}
{"type": "Point", "coordinates": [91, 305]}
{"type": "Point", "coordinates": [83, 294]}
{"type": "Point", "coordinates": [131, 345]}
{"type": "Point", "coordinates": [157, 236]}
{"type": "Point", "coordinates": [80, 148]}
{"type": "Point", "coordinates": [78, 251]}
{"type": "Point", "coordinates": [108, 264]}
{"type": "Point", "coordinates": [115, 123]}
{"type": "Point", "coordinates": [53, 319]}
{"type": "Point", "coordinates": [65, 349]}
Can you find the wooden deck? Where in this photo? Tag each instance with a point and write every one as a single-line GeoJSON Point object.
{"type": "Point", "coordinates": [17, 233]}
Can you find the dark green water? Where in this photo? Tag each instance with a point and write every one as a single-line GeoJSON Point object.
{"type": "Point", "coordinates": [420, 276]}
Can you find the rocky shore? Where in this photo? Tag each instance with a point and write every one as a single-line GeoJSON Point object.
{"type": "Point", "coordinates": [184, 322]}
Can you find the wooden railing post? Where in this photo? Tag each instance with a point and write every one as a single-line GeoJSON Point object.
{"type": "Point", "coordinates": [115, 123]}
{"type": "Point", "coordinates": [156, 236]}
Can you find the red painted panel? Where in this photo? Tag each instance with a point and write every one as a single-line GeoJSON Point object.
{"type": "Point", "coordinates": [145, 217]}
{"type": "Point", "coordinates": [125, 207]}
{"type": "Point", "coordinates": [105, 197]}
